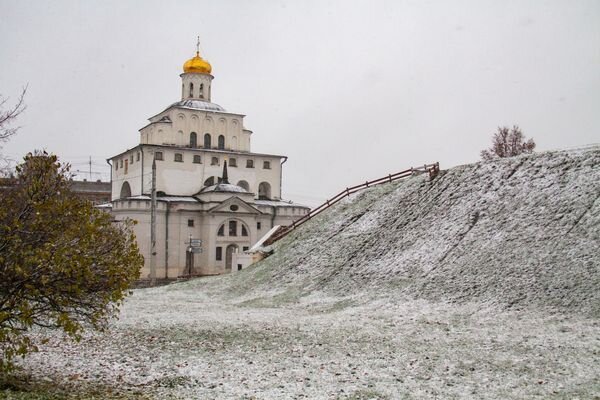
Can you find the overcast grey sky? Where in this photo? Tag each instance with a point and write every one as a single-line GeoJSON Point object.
{"type": "Point", "coordinates": [349, 90]}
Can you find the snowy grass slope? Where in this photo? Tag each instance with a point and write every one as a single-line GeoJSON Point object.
{"type": "Point", "coordinates": [520, 232]}
{"type": "Point", "coordinates": [481, 284]}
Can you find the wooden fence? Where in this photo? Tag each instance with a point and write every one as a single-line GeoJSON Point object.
{"type": "Point", "coordinates": [431, 169]}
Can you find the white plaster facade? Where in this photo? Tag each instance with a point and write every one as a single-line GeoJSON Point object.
{"type": "Point", "coordinates": [189, 142]}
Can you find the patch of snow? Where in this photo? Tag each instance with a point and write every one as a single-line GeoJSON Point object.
{"type": "Point", "coordinates": [278, 203]}
{"type": "Point", "coordinates": [224, 187]}
{"type": "Point", "coordinates": [197, 105]}
{"type": "Point", "coordinates": [170, 199]}
{"type": "Point", "coordinates": [262, 240]}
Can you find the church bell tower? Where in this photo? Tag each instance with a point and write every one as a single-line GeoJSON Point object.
{"type": "Point", "coordinates": [196, 78]}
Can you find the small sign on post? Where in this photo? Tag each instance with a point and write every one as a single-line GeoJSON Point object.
{"type": "Point", "coordinates": [195, 246]}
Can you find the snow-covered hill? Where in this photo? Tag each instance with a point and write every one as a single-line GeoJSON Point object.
{"type": "Point", "coordinates": [519, 232]}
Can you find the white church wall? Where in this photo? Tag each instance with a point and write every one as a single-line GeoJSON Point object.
{"type": "Point", "coordinates": [186, 178]}
{"type": "Point", "coordinates": [215, 124]}
{"type": "Point", "coordinates": [254, 176]}
{"type": "Point", "coordinates": [141, 230]}
{"type": "Point", "coordinates": [210, 264]}
{"type": "Point", "coordinates": [179, 235]}
{"type": "Point", "coordinates": [245, 140]}
{"type": "Point", "coordinates": [128, 170]}
{"type": "Point", "coordinates": [243, 260]}
{"type": "Point", "coordinates": [184, 122]}
{"type": "Point", "coordinates": [197, 80]}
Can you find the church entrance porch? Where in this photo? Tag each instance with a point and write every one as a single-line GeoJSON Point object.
{"type": "Point", "coordinates": [232, 248]}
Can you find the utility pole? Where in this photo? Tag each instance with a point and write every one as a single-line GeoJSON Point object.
{"type": "Point", "coordinates": [90, 168]}
{"type": "Point", "coordinates": [153, 226]}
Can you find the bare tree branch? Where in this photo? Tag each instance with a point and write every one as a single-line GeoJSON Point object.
{"type": "Point", "coordinates": [8, 116]}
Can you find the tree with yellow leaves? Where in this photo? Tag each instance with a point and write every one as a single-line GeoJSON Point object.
{"type": "Point", "coordinates": [63, 263]}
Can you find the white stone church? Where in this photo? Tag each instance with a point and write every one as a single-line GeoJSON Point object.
{"type": "Point", "coordinates": [214, 197]}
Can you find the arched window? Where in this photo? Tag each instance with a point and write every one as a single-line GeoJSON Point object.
{"type": "Point", "coordinates": [191, 90]}
{"type": "Point", "coordinates": [210, 181]}
{"type": "Point", "coordinates": [244, 184]}
{"type": "Point", "coordinates": [193, 139]}
{"type": "Point", "coordinates": [125, 191]}
{"type": "Point", "coordinates": [201, 91]}
{"type": "Point", "coordinates": [221, 142]}
{"type": "Point", "coordinates": [233, 228]}
{"type": "Point", "coordinates": [214, 161]}
{"type": "Point", "coordinates": [264, 191]}
{"type": "Point", "coordinates": [207, 141]}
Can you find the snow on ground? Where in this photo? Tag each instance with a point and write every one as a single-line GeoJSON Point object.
{"type": "Point", "coordinates": [481, 284]}
{"type": "Point", "coordinates": [174, 342]}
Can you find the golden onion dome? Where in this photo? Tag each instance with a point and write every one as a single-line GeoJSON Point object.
{"type": "Point", "coordinates": [197, 65]}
